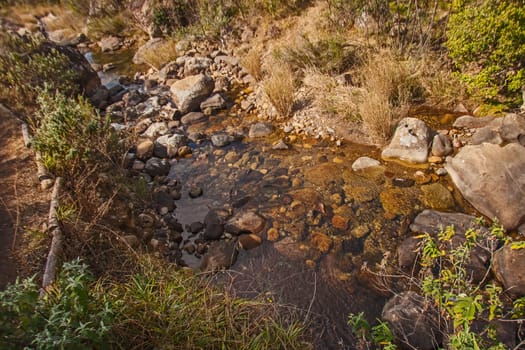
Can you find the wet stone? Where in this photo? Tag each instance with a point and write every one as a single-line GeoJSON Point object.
{"type": "Point", "coordinates": [156, 166]}
{"type": "Point", "coordinates": [221, 140]}
{"type": "Point", "coordinates": [360, 231]}
{"type": "Point", "coordinates": [260, 130]}
{"type": "Point", "coordinates": [195, 191]}
{"type": "Point", "coordinates": [400, 182]}
{"type": "Point", "coordinates": [176, 194]}
{"type": "Point", "coordinates": [321, 242]}
{"type": "Point", "coordinates": [245, 222]}
{"type": "Point", "coordinates": [189, 248]}
{"type": "Point", "coordinates": [220, 255]}
{"type": "Point", "coordinates": [193, 118]}
{"type": "Point", "coordinates": [214, 224]}
{"type": "Point", "coordinates": [249, 241]}
{"type": "Point", "coordinates": [196, 227]}
{"type": "Point", "coordinates": [164, 200]}
{"type": "Point", "coordinates": [272, 235]}
{"type": "Point", "coordinates": [339, 222]}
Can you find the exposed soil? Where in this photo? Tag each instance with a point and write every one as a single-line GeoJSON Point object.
{"type": "Point", "coordinates": [23, 206]}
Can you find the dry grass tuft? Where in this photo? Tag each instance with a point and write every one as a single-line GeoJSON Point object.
{"type": "Point", "coordinates": [332, 97]}
{"type": "Point", "coordinates": [442, 86]}
{"type": "Point", "coordinates": [388, 88]}
{"type": "Point", "coordinates": [252, 62]}
{"type": "Point", "coordinates": [164, 53]}
{"type": "Point", "coordinates": [279, 87]}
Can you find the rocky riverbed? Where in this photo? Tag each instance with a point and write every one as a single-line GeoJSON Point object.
{"type": "Point", "coordinates": [303, 218]}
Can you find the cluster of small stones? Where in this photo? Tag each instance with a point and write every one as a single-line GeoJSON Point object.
{"type": "Point", "coordinates": [167, 111]}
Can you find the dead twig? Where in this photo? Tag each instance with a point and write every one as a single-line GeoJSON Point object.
{"type": "Point", "coordinates": [57, 242]}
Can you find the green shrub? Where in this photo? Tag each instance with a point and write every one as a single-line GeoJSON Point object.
{"type": "Point", "coordinates": [69, 134]}
{"type": "Point", "coordinates": [67, 316]}
{"type": "Point", "coordinates": [466, 307]}
{"type": "Point", "coordinates": [487, 43]}
{"type": "Point", "coordinates": [26, 65]}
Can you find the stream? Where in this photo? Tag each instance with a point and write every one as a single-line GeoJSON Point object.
{"type": "Point", "coordinates": [324, 222]}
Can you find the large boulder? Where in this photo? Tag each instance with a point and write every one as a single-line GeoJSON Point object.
{"type": "Point", "coordinates": [190, 92]}
{"type": "Point", "coordinates": [508, 266]}
{"type": "Point", "coordinates": [492, 179]}
{"type": "Point", "coordinates": [410, 142]}
{"type": "Point", "coordinates": [432, 222]}
{"type": "Point", "coordinates": [151, 45]}
{"type": "Point", "coordinates": [413, 320]}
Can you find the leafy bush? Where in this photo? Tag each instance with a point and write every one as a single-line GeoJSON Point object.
{"type": "Point", "coordinates": [467, 307]}
{"type": "Point", "coordinates": [69, 134]}
{"type": "Point", "coordinates": [487, 43]}
{"type": "Point", "coordinates": [26, 65]}
{"type": "Point", "coordinates": [67, 316]}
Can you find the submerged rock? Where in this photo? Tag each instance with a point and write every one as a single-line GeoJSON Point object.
{"type": "Point", "coordinates": [362, 163]}
{"type": "Point", "coordinates": [220, 255]}
{"type": "Point", "coordinates": [410, 142]}
{"type": "Point", "coordinates": [151, 45]}
{"type": "Point", "coordinates": [245, 222]}
{"type": "Point", "coordinates": [214, 224]}
{"type": "Point", "coordinates": [492, 179]}
{"type": "Point", "coordinates": [156, 166]}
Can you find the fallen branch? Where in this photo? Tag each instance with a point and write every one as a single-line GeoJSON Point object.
{"type": "Point", "coordinates": [56, 244]}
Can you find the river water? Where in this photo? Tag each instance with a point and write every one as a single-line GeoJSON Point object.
{"type": "Point", "coordinates": [326, 225]}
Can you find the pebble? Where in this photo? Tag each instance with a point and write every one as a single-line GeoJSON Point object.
{"type": "Point", "coordinates": [435, 159]}
{"type": "Point", "coordinates": [340, 222]}
{"type": "Point", "coordinates": [272, 234]}
{"type": "Point", "coordinates": [441, 172]}
{"type": "Point", "coordinates": [195, 192]}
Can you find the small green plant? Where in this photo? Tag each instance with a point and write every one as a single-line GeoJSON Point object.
{"type": "Point", "coordinates": [26, 66]}
{"type": "Point", "coordinates": [67, 316]}
{"type": "Point", "coordinates": [367, 335]}
{"type": "Point", "coordinates": [446, 282]}
{"type": "Point", "coordinates": [69, 133]}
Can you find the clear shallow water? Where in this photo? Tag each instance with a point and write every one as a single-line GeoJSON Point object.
{"type": "Point", "coordinates": [329, 220]}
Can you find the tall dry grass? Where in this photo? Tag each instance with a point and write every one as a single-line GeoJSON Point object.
{"type": "Point", "coordinates": [279, 87]}
{"type": "Point", "coordinates": [331, 97]}
{"type": "Point", "coordinates": [389, 85]}
{"type": "Point", "coordinates": [252, 62]}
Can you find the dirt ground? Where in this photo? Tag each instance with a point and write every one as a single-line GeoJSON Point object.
{"type": "Point", "coordinates": [23, 205]}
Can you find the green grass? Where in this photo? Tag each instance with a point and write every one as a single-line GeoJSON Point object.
{"type": "Point", "coordinates": [161, 306]}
